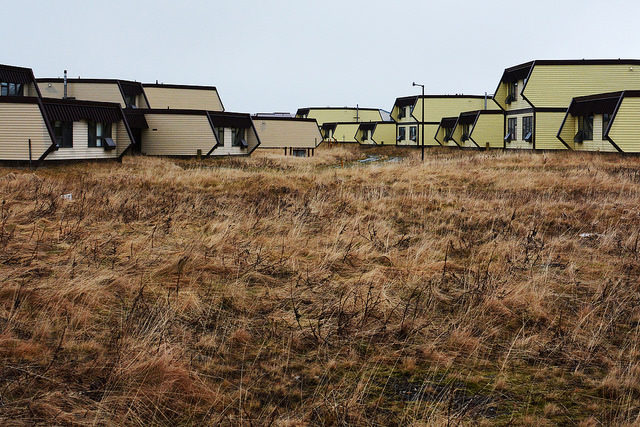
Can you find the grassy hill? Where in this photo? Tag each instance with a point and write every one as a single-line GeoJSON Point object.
{"type": "Point", "coordinates": [476, 288]}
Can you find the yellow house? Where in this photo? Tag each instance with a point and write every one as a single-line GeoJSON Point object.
{"type": "Point", "coordinates": [535, 95]}
{"type": "Point", "coordinates": [608, 122]}
{"type": "Point", "coordinates": [324, 115]}
{"type": "Point", "coordinates": [479, 129]}
{"type": "Point", "coordinates": [407, 113]}
{"type": "Point", "coordinates": [297, 137]}
{"type": "Point", "coordinates": [377, 133]}
{"type": "Point", "coordinates": [183, 97]}
{"type": "Point", "coordinates": [444, 131]}
{"type": "Point", "coordinates": [36, 129]}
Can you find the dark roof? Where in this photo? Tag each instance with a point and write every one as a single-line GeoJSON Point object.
{"type": "Point", "coordinates": [11, 74]}
{"type": "Point", "coordinates": [329, 125]}
{"type": "Point", "coordinates": [411, 100]}
{"type": "Point", "coordinates": [468, 117]}
{"type": "Point", "coordinates": [448, 122]}
{"type": "Point", "coordinates": [517, 72]}
{"type": "Point", "coordinates": [307, 109]}
{"type": "Point", "coordinates": [368, 126]}
{"type": "Point", "coordinates": [405, 100]}
{"type": "Point", "coordinates": [595, 104]}
{"type": "Point", "coordinates": [83, 80]}
{"type": "Point", "coordinates": [71, 110]}
{"type": "Point", "coordinates": [290, 119]}
{"type": "Point", "coordinates": [131, 88]}
{"type": "Point", "coordinates": [171, 86]}
{"type": "Point", "coordinates": [521, 71]}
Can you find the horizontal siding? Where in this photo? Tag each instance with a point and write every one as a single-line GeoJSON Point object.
{"type": "Point", "coordinates": [598, 144]}
{"type": "Point", "coordinates": [556, 85]}
{"type": "Point", "coordinates": [287, 133]}
{"type": "Point", "coordinates": [520, 103]}
{"type": "Point", "coordinates": [547, 126]}
{"type": "Point", "coordinates": [192, 99]}
{"type": "Point", "coordinates": [177, 135]}
{"type": "Point", "coordinates": [569, 130]}
{"type": "Point", "coordinates": [344, 115]}
{"type": "Point", "coordinates": [437, 108]}
{"type": "Point", "coordinates": [18, 124]}
{"type": "Point", "coordinates": [101, 92]}
{"type": "Point", "coordinates": [346, 132]}
{"type": "Point", "coordinates": [518, 142]}
{"type": "Point", "coordinates": [226, 147]}
{"type": "Point", "coordinates": [385, 134]}
{"type": "Point", "coordinates": [625, 130]}
{"type": "Point", "coordinates": [488, 131]}
{"type": "Point", "coordinates": [81, 149]}
{"type": "Point", "coordinates": [122, 138]}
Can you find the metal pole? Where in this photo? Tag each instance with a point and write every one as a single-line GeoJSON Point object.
{"type": "Point", "coordinates": [422, 123]}
{"type": "Point", "coordinates": [29, 153]}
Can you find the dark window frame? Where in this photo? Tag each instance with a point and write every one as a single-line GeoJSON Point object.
{"type": "Point", "coordinates": [512, 92]}
{"type": "Point", "coordinates": [97, 141]}
{"type": "Point", "coordinates": [605, 123]}
{"type": "Point", "coordinates": [220, 135]}
{"type": "Point", "coordinates": [413, 133]}
{"type": "Point", "coordinates": [238, 134]}
{"type": "Point", "coordinates": [527, 128]}
{"type": "Point", "coordinates": [512, 129]}
{"type": "Point", "coordinates": [11, 89]}
{"type": "Point", "coordinates": [63, 132]}
{"type": "Point", "coordinates": [402, 133]}
{"type": "Point", "coordinates": [585, 127]}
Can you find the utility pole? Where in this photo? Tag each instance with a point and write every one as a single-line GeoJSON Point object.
{"type": "Point", "coordinates": [422, 124]}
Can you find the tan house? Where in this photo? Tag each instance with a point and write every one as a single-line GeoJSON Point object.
{"type": "Point", "coordinates": [296, 136]}
{"type": "Point", "coordinates": [128, 94]}
{"type": "Point", "coordinates": [36, 129]}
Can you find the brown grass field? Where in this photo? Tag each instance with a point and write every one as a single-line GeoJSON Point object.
{"type": "Point", "coordinates": [476, 288]}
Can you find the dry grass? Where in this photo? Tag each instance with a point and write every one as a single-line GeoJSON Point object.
{"type": "Point", "coordinates": [284, 291]}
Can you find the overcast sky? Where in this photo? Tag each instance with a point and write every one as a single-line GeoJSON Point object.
{"type": "Point", "coordinates": [279, 55]}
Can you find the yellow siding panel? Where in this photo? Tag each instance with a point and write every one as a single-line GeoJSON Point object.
{"type": "Point", "coordinates": [518, 142]}
{"type": "Point", "coordinates": [346, 132]}
{"type": "Point", "coordinates": [18, 124]}
{"type": "Point", "coordinates": [101, 92]}
{"type": "Point", "coordinates": [336, 115]}
{"type": "Point", "coordinates": [569, 130]}
{"type": "Point", "coordinates": [625, 129]}
{"type": "Point", "coordinates": [190, 99]}
{"type": "Point", "coordinates": [287, 133]}
{"type": "Point", "coordinates": [556, 85]}
{"type": "Point", "coordinates": [385, 134]}
{"type": "Point", "coordinates": [487, 132]}
{"type": "Point", "coordinates": [547, 126]}
{"type": "Point", "coordinates": [437, 108]}
{"type": "Point", "coordinates": [177, 135]}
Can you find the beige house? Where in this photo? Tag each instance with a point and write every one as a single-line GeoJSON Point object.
{"type": "Point", "coordinates": [128, 94]}
{"type": "Point", "coordinates": [296, 136]}
{"type": "Point", "coordinates": [37, 129]}
{"type": "Point", "coordinates": [183, 97]}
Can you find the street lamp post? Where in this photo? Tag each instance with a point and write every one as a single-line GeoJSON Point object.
{"type": "Point", "coordinates": [422, 125]}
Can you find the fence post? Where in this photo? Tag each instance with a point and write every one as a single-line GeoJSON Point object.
{"type": "Point", "coordinates": [29, 153]}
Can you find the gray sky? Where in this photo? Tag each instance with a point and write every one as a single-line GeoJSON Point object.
{"type": "Point", "coordinates": [279, 55]}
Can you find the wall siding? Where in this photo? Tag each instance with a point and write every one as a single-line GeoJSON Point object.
{"type": "Point", "coordinates": [18, 124]}
{"type": "Point", "coordinates": [546, 131]}
{"type": "Point", "coordinates": [437, 108]}
{"type": "Point", "coordinates": [625, 130]}
{"type": "Point", "coordinates": [101, 92]}
{"type": "Point", "coordinates": [385, 134]}
{"type": "Point", "coordinates": [193, 99]}
{"type": "Point", "coordinates": [598, 144]}
{"type": "Point", "coordinates": [346, 132]}
{"type": "Point", "coordinates": [226, 148]}
{"type": "Point", "coordinates": [488, 130]}
{"type": "Point", "coordinates": [557, 85]}
{"type": "Point", "coordinates": [177, 135]}
{"type": "Point", "coordinates": [287, 133]}
{"type": "Point", "coordinates": [343, 115]}
{"type": "Point", "coordinates": [81, 149]}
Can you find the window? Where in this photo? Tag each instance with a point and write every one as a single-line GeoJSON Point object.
{"type": "Point", "coordinates": [585, 127]}
{"type": "Point", "coordinates": [220, 132]}
{"type": "Point", "coordinates": [402, 133]}
{"type": "Point", "coordinates": [606, 118]}
{"type": "Point", "coordinates": [299, 152]}
{"type": "Point", "coordinates": [465, 131]}
{"type": "Point", "coordinates": [99, 133]}
{"type": "Point", "coordinates": [447, 134]}
{"type": "Point", "coordinates": [527, 128]}
{"type": "Point", "coordinates": [11, 89]}
{"type": "Point", "coordinates": [130, 101]}
{"type": "Point", "coordinates": [413, 131]}
{"type": "Point", "coordinates": [237, 138]}
{"type": "Point", "coordinates": [512, 130]}
{"type": "Point", "coordinates": [513, 93]}
{"type": "Point", "coordinates": [63, 131]}
{"type": "Point", "coordinates": [402, 113]}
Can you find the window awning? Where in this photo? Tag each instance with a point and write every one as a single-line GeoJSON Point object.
{"type": "Point", "coordinates": [131, 88]}
{"type": "Point", "coordinates": [15, 74]}
{"type": "Point", "coordinates": [448, 122]}
{"type": "Point", "coordinates": [468, 118]}
{"type": "Point", "coordinates": [73, 111]}
{"type": "Point", "coordinates": [599, 104]}
{"type": "Point", "coordinates": [230, 120]}
{"type": "Point", "coordinates": [403, 102]}
{"type": "Point", "coordinates": [136, 120]}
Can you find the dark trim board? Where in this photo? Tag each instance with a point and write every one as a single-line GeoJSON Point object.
{"type": "Point", "coordinates": [177, 86]}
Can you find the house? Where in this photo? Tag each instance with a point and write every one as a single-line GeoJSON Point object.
{"type": "Point", "coordinates": [183, 97]}
{"type": "Point", "coordinates": [344, 132]}
{"type": "Point", "coordinates": [174, 132]}
{"type": "Point", "coordinates": [377, 133]}
{"type": "Point", "coordinates": [297, 137]}
{"type": "Point", "coordinates": [444, 131]}
{"type": "Point", "coordinates": [324, 115]}
{"type": "Point", "coordinates": [535, 95]}
{"type": "Point", "coordinates": [37, 129]}
{"type": "Point", "coordinates": [478, 129]}
{"type": "Point", "coordinates": [407, 113]}
{"type": "Point", "coordinates": [608, 122]}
